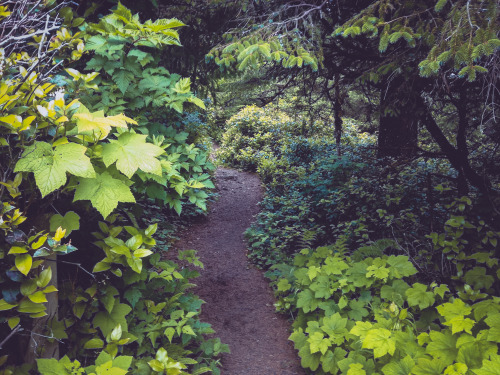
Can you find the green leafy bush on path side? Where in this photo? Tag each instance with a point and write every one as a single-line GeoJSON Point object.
{"type": "Point", "coordinates": [132, 312]}
{"type": "Point", "coordinates": [372, 316]}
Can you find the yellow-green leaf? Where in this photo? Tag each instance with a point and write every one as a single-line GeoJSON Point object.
{"type": "Point", "coordinates": [23, 263]}
{"type": "Point", "coordinates": [13, 322]}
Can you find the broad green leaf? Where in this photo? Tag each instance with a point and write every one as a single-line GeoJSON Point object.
{"type": "Point", "coordinates": [380, 341]}
{"type": "Point", "coordinates": [402, 367]}
{"type": "Point", "coordinates": [122, 78]}
{"type": "Point", "coordinates": [427, 366]}
{"type": "Point", "coordinates": [493, 321]}
{"type": "Point", "coordinates": [98, 124]}
{"type": "Point", "coordinates": [131, 152]}
{"type": "Point", "coordinates": [456, 369]}
{"type": "Point", "coordinates": [419, 296]}
{"type": "Point", "coordinates": [441, 290]}
{"type": "Point", "coordinates": [478, 278]}
{"type": "Point", "coordinates": [38, 297]}
{"type": "Point", "coordinates": [169, 332]}
{"type": "Point", "coordinates": [197, 101]}
{"type": "Point", "coordinates": [361, 329]}
{"type": "Point", "coordinates": [473, 352]}
{"type": "Point", "coordinates": [356, 369]}
{"type": "Point", "coordinates": [5, 306]}
{"type": "Point", "coordinates": [70, 222]}
{"type": "Point", "coordinates": [459, 324]}
{"type": "Point", "coordinates": [94, 344]}
{"type": "Point", "coordinates": [23, 263]}
{"type": "Point", "coordinates": [334, 266]}
{"type": "Point", "coordinates": [96, 43]}
{"type": "Point", "coordinates": [401, 266]}
{"type": "Point", "coordinates": [52, 366]}
{"type": "Point", "coordinates": [378, 269]}
{"type": "Point", "coordinates": [156, 365]}
{"type": "Point", "coordinates": [443, 345]}
{"type": "Point", "coordinates": [124, 362]}
{"type": "Point", "coordinates": [306, 301]}
{"type": "Point", "coordinates": [104, 192]}
{"type": "Point", "coordinates": [106, 322]}
{"type": "Point", "coordinates": [357, 310]}
{"type": "Point", "coordinates": [455, 309]}
{"type": "Point", "coordinates": [283, 285]}
{"type": "Point", "coordinates": [321, 287]}
{"type": "Point", "coordinates": [50, 165]}
{"type": "Point", "coordinates": [133, 295]}
{"type": "Point", "coordinates": [395, 293]}
{"type": "Point", "coordinates": [489, 367]}
{"type": "Point", "coordinates": [308, 359]}
{"type": "Point", "coordinates": [13, 322]}
{"type": "Point", "coordinates": [329, 361]}
{"type": "Point", "coordinates": [335, 327]}
{"type": "Point", "coordinates": [486, 307]}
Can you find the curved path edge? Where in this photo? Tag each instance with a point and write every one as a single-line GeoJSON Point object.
{"type": "Point", "coordinates": [239, 300]}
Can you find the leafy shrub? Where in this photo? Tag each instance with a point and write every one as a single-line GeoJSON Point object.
{"type": "Point", "coordinates": [370, 316]}
{"type": "Point", "coordinates": [132, 311]}
{"type": "Point", "coordinates": [255, 133]}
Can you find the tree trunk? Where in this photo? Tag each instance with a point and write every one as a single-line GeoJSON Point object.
{"type": "Point", "coordinates": [39, 345]}
{"type": "Point", "coordinates": [398, 128]}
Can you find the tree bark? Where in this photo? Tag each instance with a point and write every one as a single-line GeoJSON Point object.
{"type": "Point", "coordinates": [398, 128]}
{"type": "Point", "coordinates": [458, 157]}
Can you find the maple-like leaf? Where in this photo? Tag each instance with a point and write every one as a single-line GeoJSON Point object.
{"type": "Point", "coordinates": [402, 367]}
{"type": "Point", "coordinates": [104, 192]}
{"type": "Point", "coordinates": [443, 345]}
{"type": "Point", "coordinates": [380, 341]}
{"type": "Point", "coordinates": [318, 343]}
{"type": "Point", "coordinates": [306, 301]}
{"type": "Point", "coordinates": [452, 310]}
{"type": "Point", "coordinates": [97, 123]}
{"type": "Point", "coordinates": [131, 152]}
{"type": "Point", "coordinates": [493, 320]}
{"type": "Point", "coordinates": [50, 165]}
{"type": "Point", "coordinates": [68, 222]}
{"type": "Point", "coordinates": [419, 296]}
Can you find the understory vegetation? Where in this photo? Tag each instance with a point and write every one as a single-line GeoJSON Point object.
{"type": "Point", "coordinates": [382, 268]}
{"type": "Point", "coordinates": [86, 189]}
{"type": "Point", "coordinates": [372, 124]}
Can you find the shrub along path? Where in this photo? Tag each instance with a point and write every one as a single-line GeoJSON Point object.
{"type": "Point", "coordinates": [239, 301]}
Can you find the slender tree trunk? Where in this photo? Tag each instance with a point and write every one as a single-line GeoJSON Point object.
{"type": "Point", "coordinates": [338, 113]}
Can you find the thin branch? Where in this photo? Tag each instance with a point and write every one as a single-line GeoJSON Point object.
{"type": "Point", "coordinates": [9, 336]}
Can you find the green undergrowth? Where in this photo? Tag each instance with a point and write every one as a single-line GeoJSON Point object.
{"type": "Point", "coordinates": [381, 266]}
{"type": "Point", "coordinates": [104, 156]}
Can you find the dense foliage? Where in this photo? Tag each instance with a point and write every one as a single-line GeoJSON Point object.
{"type": "Point", "coordinates": [74, 163]}
{"type": "Point", "coordinates": [382, 267]}
{"type": "Point", "coordinates": [379, 233]}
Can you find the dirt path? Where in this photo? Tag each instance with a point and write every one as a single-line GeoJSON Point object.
{"type": "Point", "coordinates": [239, 301]}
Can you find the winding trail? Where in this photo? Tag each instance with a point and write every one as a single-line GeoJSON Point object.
{"type": "Point", "coordinates": [239, 301]}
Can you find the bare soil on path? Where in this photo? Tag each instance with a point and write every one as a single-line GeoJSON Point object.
{"type": "Point", "coordinates": [239, 301]}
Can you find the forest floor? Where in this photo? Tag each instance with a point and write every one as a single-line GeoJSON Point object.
{"type": "Point", "coordinates": [239, 301]}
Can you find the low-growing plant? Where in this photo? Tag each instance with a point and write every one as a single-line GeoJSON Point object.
{"type": "Point", "coordinates": [373, 316]}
